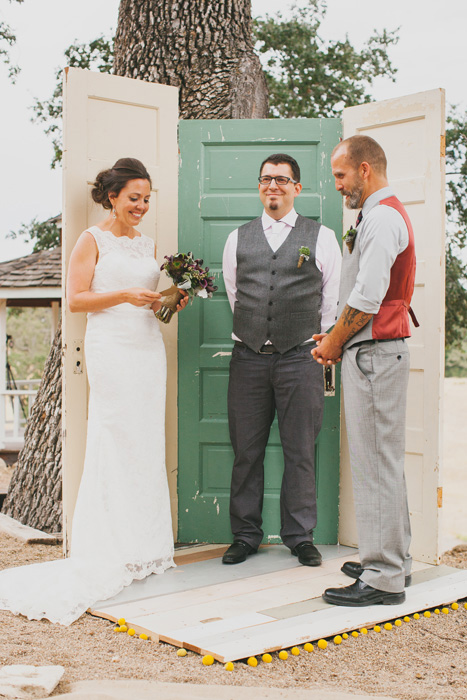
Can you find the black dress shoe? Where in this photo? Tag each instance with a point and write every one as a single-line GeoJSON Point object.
{"type": "Point", "coordinates": [238, 552]}
{"type": "Point", "coordinates": [307, 554]}
{"type": "Point", "coordinates": [359, 594]}
{"type": "Point", "coordinates": [355, 570]}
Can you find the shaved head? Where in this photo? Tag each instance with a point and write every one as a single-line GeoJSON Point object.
{"type": "Point", "coordinates": [363, 149]}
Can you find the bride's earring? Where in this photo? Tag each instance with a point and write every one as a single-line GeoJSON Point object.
{"type": "Point", "coordinates": [114, 213]}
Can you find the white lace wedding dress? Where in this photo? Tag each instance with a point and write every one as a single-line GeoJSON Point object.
{"type": "Point", "coordinates": [121, 526]}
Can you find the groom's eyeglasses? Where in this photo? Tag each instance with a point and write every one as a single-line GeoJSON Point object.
{"type": "Point", "coordinates": [280, 180]}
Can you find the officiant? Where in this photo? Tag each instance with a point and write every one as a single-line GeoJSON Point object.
{"type": "Point", "coordinates": [281, 274]}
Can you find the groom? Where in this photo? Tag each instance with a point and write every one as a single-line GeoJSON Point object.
{"type": "Point", "coordinates": [277, 306]}
{"type": "Point", "coordinates": [378, 275]}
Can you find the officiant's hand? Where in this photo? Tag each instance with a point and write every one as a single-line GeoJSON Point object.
{"type": "Point", "coordinates": [138, 296]}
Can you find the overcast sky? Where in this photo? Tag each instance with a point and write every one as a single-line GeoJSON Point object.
{"type": "Point", "coordinates": [430, 54]}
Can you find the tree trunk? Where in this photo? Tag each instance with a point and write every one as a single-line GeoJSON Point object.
{"type": "Point", "coordinates": [35, 492]}
{"type": "Point", "coordinates": [204, 47]}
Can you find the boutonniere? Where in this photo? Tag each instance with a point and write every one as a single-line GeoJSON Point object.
{"type": "Point", "coordinates": [349, 238]}
{"type": "Point", "coordinates": [304, 254]}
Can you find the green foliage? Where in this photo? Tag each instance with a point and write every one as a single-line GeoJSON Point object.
{"type": "Point", "coordinates": [7, 39]}
{"type": "Point", "coordinates": [456, 360]}
{"type": "Point", "coordinates": [97, 55]}
{"type": "Point", "coordinates": [308, 77]}
{"type": "Point", "coordinates": [456, 240]}
{"type": "Point", "coordinates": [30, 331]}
{"type": "Point", "coordinates": [45, 235]}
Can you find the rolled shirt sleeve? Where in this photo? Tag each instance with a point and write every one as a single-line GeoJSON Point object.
{"type": "Point", "coordinates": [382, 237]}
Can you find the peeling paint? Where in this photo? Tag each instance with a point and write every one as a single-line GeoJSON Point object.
{"type": "Point", "coordinates": [268, 139]}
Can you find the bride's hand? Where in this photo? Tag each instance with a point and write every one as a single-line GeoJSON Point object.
{"type": "Point", "coordinates": [184, 301]}
{"type": "Point", "coordinates": [138, 296]}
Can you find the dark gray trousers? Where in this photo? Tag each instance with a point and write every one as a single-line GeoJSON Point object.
{"type": "Point", "coordinates": [260, 385]}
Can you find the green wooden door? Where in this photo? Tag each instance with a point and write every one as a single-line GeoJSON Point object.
{"type": "Point", "coordinates": [218, 191]}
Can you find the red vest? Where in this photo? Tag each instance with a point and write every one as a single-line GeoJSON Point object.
{"type": "Point", "coordinates": [392, 320]}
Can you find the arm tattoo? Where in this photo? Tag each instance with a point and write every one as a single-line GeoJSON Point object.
{"type": "Point", "coordinates": [353, 320]}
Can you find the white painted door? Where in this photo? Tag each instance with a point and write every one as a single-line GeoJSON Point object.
{"type": "Point", "coordinates": [108, 117]}
{"type": "Point", "coordinates": [411, 130]}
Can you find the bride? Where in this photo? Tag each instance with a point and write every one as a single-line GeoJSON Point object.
{"type": "Point", "coordinates": [122, 525]}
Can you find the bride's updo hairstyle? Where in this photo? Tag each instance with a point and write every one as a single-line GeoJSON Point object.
{"type": "Point", "coordinates": [113, 180]}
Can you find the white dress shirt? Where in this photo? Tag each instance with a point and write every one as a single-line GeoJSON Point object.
{"type": "Point", "coordinates": [328, 261]}
{"type": "Point", "coordinates": [382, 235]}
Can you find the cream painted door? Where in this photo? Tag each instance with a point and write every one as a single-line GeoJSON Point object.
{"type": "Point", "coordinates": [411, 130]}
{"type": "Point", "coordinates": [107, 117]}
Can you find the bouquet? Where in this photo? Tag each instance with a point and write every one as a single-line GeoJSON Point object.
{"type": "Point", "coordinates": [187, 275]}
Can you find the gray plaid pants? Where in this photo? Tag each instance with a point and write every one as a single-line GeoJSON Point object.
{"type": "Point", "coordinates": [375, 378]}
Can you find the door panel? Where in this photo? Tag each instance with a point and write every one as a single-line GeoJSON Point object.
{"type": "Point", "coordinates": [107, 117]}
{"type": "Point", "coordinates": [218, 192]}
{"type": "Point", "coordinates": [411, 131]}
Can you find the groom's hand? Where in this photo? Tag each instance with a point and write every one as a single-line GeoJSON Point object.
{"type": "Point", "coordinates": [326, 351]}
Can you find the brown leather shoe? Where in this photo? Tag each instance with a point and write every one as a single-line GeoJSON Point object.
{"type": "Point", "coordinates": [355, 570]}
{"type": "Point", "coordinates": [238, 552]}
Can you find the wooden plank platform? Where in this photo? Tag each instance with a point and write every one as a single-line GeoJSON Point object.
{"type": "Point", "coordinates": [267, 603]}
{"type": "Point", "coordinates": [26, 534]}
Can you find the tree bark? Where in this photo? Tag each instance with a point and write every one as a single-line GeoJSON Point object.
{"type": "Point", "coordinates": [204, 47]}
{"type": "Point", "coordinates": [35, 491]}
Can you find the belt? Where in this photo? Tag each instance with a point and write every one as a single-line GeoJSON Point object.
{"type": "Point", "coordinates": [372, 341]}
{"type": "Point", "coordinates": [269, 349]}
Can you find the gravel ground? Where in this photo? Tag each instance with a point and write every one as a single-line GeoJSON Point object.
{"type": "Point", "coordinates": [424, 658]}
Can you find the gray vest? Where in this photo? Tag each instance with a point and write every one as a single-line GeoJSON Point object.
{"type": "Point", "coordinates": [276, 300]}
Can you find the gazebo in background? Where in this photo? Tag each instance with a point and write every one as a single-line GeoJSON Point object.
{"type": "Point", "coordinates": [33, 280]}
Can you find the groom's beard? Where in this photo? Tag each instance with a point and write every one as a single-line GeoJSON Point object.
{"type": "Point", "coordinates": [354, 197]}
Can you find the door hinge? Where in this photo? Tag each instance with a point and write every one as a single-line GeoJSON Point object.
{"type": "Point", "coordinates": [443, 146]}
{"type": "Point", "coordinates": [439, 491]}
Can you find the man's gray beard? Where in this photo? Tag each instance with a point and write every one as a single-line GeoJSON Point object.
{"type": "Point", "coordinates": [354, 198]}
